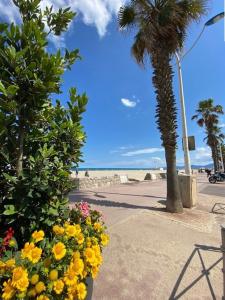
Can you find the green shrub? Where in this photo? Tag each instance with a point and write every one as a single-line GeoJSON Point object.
{"type": "Point", "coordinates": [39, 141]}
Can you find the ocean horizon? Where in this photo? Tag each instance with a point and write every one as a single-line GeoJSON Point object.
{"type": "Point", "coordinates": [113, 169]}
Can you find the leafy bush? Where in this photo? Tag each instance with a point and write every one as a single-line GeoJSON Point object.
{"type": "Point", "coordinates": [39, 141]}
{"type": "Point", "coordinates": [56, 267]}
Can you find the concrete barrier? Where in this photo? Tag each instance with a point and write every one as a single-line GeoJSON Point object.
{"type": "Point", "coordinates": [154, 176]}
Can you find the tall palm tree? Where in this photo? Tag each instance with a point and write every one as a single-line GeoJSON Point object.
{"type": "Point", "coordinates": [223, 153]}
{"type": "Point", "coordinates": [161, 27]}
{"type": "Point", "coordinates": [207, 115]}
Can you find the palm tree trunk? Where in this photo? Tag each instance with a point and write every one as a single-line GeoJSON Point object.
{"type": "Point", "coordinates": [166, 115]}
{"type": "Point", "coordinates": [173, 203]}
{"type": "Point", "coordinates": [214, 157]}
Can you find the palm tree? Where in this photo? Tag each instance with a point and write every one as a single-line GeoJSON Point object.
{"type": "Point", "coordinates": [223, 153]}
{"type": "Point", "coordinates": [207, 115]}
{"type": "Point", "coordinates": [161, 27]}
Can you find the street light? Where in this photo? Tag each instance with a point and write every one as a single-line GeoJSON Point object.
{"type": "Point", "coordinates": [187, 163]}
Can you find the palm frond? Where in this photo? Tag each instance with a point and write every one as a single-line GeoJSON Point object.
{"type": "Point", "coordinates": [126, 16]}
{"type": "Point", "coordinates": [138, 49]}
{"type": "Point", "coordinates": [201, 122]}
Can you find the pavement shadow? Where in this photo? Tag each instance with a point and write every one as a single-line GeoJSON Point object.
{"type": "Point", "coordinates": [204, 272]}
{"type": "Point", "coordinates": [101, 194]}
{"type": "Point", "coordinates": [218, 208]}
{"type": "Point", "coordinates": [109, 203]}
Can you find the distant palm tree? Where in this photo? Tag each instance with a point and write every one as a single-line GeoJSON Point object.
{"type": "Point", "coordinates": [207, 115]}
{"type": "Point", "coordinates": [161, 28]}
{"type": "Point", "coordinates": [223, 153]}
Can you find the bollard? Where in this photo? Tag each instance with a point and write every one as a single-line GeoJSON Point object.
{"type": "Point", "coordinates": [223, 252]}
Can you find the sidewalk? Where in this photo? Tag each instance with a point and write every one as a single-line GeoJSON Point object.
{"type": "Point", "coordinates": [152, 254]}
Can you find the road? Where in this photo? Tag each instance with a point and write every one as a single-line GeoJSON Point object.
{"type": "Point", "coordinates": [153, 254]}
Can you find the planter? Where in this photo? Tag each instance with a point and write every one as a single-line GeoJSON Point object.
{"type": "Point", "coordinates": [90, 283]}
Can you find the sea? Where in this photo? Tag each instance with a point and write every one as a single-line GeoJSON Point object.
{"type": "Point", "coordinates": [113, 169]}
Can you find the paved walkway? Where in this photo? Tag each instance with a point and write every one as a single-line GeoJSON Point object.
{"type": "Point", "coordinates": [156, 255]}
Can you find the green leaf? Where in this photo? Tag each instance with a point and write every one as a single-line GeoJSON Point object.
{"type": "Point", "coordinates": [2, 89]}
{"type": "Point", "coordinates": [9, 210]}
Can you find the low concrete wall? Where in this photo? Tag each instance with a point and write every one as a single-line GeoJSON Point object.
{"type": "Point", "coordinates": [154, 176]}
{"type": "Point", "coordinates": [88, 182]}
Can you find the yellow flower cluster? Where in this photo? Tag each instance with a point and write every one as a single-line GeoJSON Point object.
{"type": "Point", "coordinates": [56, 267]}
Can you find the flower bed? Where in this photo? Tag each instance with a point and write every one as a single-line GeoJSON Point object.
{"type": "Point", "coordinates": [58, 266]}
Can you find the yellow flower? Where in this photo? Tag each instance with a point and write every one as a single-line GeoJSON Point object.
{"type": "Point", "coordinates": [53, 275]}
{"type": "Point", "coordinates": [10, 263]}
{"type": "Point", "coordinates": [94, 271]}
{"type": "Point", "coordinates": [58, 230]}
{"type": "Point", "coordinates": [34, 279]}
{"type": "Point", "coordinates": [76, 255]}
{"type": "Point", "coordinates": [38, 235]}
{"type": "Point", "coordinates": [42, 297]}
{"type": "Point", "coordinates": [81, 291]}
{"type": "Point", "coordinates": [2, 264]}
{"type": "Point", "coordinates": [2, 267]}
{"type": "Point", "coordinates": [35, 255]}
{"type": "Point", "coordinates": [89, 255]}
{"type": "Point", "coordinates": [78, 266]}
{"type": "Point", "coordinates": [58, 286]}
{"type": "Point", "coordinates": [70, 277]}
{"type": "Point", "coordinates": [96, 249]}
{"type": "Point", "coordinates": [8, 290]}
{"type": "Point", "coordinates": [88, 240]}
{"type": "Point", "coordinates": [98, 257]}
{"type": "Point", "coordinates": [59, 250]}
{"type": "Point", "coordinates": [26, 251]}
{"type": "Point", "coordinates": [97, 226]}
{"type": "Point", "coordinates": [78, 228]}
{"type": "Point", "coordinates": [20, 279]}
{"type": "Point", "coordinates": [71, 230]}
{"type": "Point", "coordinates": [88, 221]}
{"type": "Point", "coordinates": [80, 238]}
{"type": "Point", "coordinates": [40, 287]}
{"type": "Point", "coordinates": [31, 293]}
{"type": "Point", "coordinates": [104, 239]}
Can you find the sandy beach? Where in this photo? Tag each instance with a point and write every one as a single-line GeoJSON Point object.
{"type": "Point", "coordinates": [131, 174]}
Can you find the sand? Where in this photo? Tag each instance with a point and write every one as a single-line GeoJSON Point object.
{"type": "Point", "coordinates": [131, 174]}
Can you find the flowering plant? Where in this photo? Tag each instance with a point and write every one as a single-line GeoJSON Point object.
{"type": "Point", "coordinates": [56, 267]}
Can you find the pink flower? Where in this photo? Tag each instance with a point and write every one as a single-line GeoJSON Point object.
{"type": "Point", "coordinates": [84, 207]}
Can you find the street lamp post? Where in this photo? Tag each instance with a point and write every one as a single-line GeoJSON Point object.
{"type": "Point", "coordinates": [187, 163]}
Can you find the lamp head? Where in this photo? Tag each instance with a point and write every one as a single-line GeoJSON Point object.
{"type": "Point", "coordinates": [215, 19]}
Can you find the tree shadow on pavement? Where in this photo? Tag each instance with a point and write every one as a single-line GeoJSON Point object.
{"type": "Point", "coordinates": [101, 194]}
{"type": "Point", "coordinates": [110, 203]}
{"type": "Point", "coordinates": [218, 208]}
{"type": "Point", "coordinates": [205, 272]}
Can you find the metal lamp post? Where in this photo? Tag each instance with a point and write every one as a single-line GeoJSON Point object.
{"type": "Point", "coordinates": [187, 163]}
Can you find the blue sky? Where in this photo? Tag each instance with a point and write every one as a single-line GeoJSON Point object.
{"type": "Point", "coordinates": [120, 122]}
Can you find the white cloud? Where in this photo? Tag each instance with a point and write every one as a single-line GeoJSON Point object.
{"type": "Point", "coordinates": [136, 163]}
{"type": "Point", "coordinates": [143, 151]}
{"type": "Point", "coordinates": [120, 149]}
{"type": "Point", "coordinates": [128, 103]}
{"type": "Point", "coordinates": [201, 156]}
{"type": "Point", "coordinates": [222, 125]}
{"type": "Point", "coordinates": [93, 12]}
